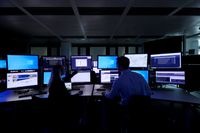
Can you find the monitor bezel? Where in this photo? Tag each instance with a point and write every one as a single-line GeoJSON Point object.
{"type": "Point", "coordinates": [138, 54]}
{"type": "Point", "coordinates": [160, 83]}
{"type": "Point", "coordinates": [81, 83]}
{"type": "Point", "coordinates": [6, 64]}
{"type": "Point", "coordinates": [91, 62]}
{"type": "Point", "coordinates": [42, 57]}
{"type": "Point", "coordinates": [166, 67]}
{"type": "Point", "coordinates": [140, 74]}
{"type": "Point", "coordinates": [107, 56]}
{"type": "Point", "coordinates": [23, 87]}
{"type": "Point", "coordinates": [43, 78]}
{"type": "Point", "coordinates": [107, 70]}
{"type": "Point", "coordinates": [22, 55]}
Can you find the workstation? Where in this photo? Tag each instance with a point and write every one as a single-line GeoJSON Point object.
{"type": "Point", "coordinates": [161, 40]}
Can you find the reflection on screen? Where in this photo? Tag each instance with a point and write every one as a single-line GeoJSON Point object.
{"type": "Point", "coordinates": [81, 77]}
{"type": "Point", "coordinates": [108, 76]}
{"type": "Point", "coordinates": [46, 77]}
{"type": "Point", "coordinates": [144, 73]}
{"type": "Point", "coordinates": [170, 60]}
{"type": "Point", "coordinates": [170, 77]}
{"type": "Point", "coordinates": [25, 79]}
{"type": "Point", "coordinates": [107, 62]}
{"type": "Point", "coordinates": [137, 60]}
{"type": "Point", "coordinates": [2, 64]}
{"type": "Point", "coordinates": [81, 62]}
{"type": "Point", "coordinates": [22, 62]}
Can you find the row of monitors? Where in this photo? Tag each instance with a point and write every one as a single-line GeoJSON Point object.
{"type": "Point", "coordinates": [108, 76]}
{"type": "Point", "coordinates": [169, 60]}
{"type": "Point", "coordinates": [30, 78]}
{"type": "Point", "coordinates": [27, 62]}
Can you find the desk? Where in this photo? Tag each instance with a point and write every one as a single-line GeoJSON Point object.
{"type": "Point", "coordinates": [164, 94]}
{"type": "Point", "coordinates": [174, 95]}
{"type": "Point", "coordinates": [11, 95]}
{"type": "Point", "coordinates": [171, 95]}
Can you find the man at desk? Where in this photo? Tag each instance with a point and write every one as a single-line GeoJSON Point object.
{"type": "Point", "coordinates": [128, 84]}
{"type": "Point", "coordinates": [131, 88]}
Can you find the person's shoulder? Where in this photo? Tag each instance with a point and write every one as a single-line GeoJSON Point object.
{"type": "Point", "coordinates": [136, 75]}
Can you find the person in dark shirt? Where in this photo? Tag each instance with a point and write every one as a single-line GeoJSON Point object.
{"type": "Point", "coordinates": [57, 89]}
{"type": "Point", "coordinates": [128, 84]}
{"type": "Point", "coordinates": [129, 87]}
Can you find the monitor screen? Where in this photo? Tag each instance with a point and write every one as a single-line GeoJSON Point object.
{"type": "Point", "coordinates": [3, 64]}
{"type": "Point", "coordinates": [137, 60]}
{"type": "Point", "coordinates": [81, 77]}
{"type": "Point", "coordinates": [169, 60]}
{"type": "Point", "coordinates": [68, 85]}
{"type": "Point", "coordinates": [52, 61]}
{"type": "Point", "coordinates": [96, 70]}
{"type": "Point", "coordinates": [94, 64]}
{"type": "Point", "coordinates": [107, 62]}
{"type": "Point", "coordinates": [22, 62]}
{"type": "Point", "coordinates": [22, 79]}
{"type": "Point", "coordinates": [81, 62]}
{"type": "Point", "coordinates": [2, 79]}
{"type": "Point", "coordinates": [108, 76]}
{"type": "Point", "coordinates": [170, 77]}
{"type": "Point", "coordinates": [46, 77]}
{"type": "Point", "coordinates": [144, 73]}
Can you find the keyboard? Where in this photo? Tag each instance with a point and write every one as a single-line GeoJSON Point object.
{"type": "Point", "coordinates": [104, 87]}
{"type": "Point", "coordinates": [31, 94]}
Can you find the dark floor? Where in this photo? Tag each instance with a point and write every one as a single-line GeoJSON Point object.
{"type": "Point", "coordinates": [88, 115]}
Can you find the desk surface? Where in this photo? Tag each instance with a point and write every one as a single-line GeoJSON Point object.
{"type": "Point", "coordinates": [173, 95]}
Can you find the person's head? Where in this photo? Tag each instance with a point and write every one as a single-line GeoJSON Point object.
{"type": "Point", "coordinates": [57, 69]}
{"type": "Point", "coordinates": [123, 63]}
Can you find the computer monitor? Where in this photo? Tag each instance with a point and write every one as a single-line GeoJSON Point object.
{"type": "Point", "coordinates": [96, 70]}
{"type": "Point", "coordinates": [170, 77]}
{"type": "Point", "coordinates": [81, 62]}
{"type": "Point", "coordinates": [50, 61]}
{"type": "Point", "coordinates": [3, 64]}
{"type": "Point", "coordinates": [108, 76]}
{"type": "Point", "coordinates": [22, 80]}
{"type": "Point", "coordinates": [107, 62]}
{"type": "Point", "coordinates": [3, 73]}
{"type": "Point", "coordinates": [168, 60]}
{"type": "Point", "coordinates": [81, 77]}
{"type": "Point", "coordinates": [137, 60]}
{"type": "Point", "coordinates": [95, 64]}
{"type": "Point", "coordinates": [46, 77]}
{"type": "Point", "coordinates": [22, 62]}
{"type": "Point", "coordinates": [144, 73]}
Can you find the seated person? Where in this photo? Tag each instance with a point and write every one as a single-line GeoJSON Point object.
{"type": "Point", "coordinates": [126, 88]}
{"type": "Point", "coordinates": [128, 84]}
{"type": "Point", "coordinates": [57, 89]}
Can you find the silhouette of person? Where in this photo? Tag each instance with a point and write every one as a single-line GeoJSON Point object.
{"type": "Point", "coordinates": [57, 89]}
{"type": "Point", "coordinates": [128, 85]}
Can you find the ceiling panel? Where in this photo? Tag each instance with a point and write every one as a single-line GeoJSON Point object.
{"type": "Point", "coordinates": [158, 3]}
{"type": "Point", "coordinates": [37, 3]}
{"type": "Point", "coordinates": [62, 25]}
{"type": "Point", "coordinates": [101, 3]}
{"type": "Point", "coordinates": [22, 24]}
{"type": "Point", "coordinates": [156, 25]}
{"type": "Point", "coordinates": [99, 25]}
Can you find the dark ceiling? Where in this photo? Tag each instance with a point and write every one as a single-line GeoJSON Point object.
{"type": "Point", "coordinates": [132, 21]}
